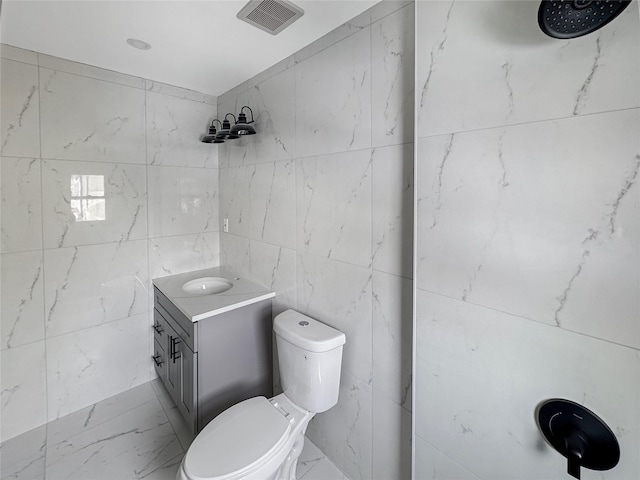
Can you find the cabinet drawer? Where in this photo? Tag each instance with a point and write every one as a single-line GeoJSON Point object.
{"type": "Point", "coordinates": [180, 323]}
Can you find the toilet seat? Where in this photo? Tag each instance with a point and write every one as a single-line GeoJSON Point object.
{"type": "Point", "coordinates": [237, 440]}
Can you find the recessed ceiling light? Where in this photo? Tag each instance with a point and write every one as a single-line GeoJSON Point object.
{"type": "Point", "coordinates": [139, 44]}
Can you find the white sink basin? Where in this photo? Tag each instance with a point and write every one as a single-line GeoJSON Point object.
{"type": "Point", "coordinates": [207, 286]}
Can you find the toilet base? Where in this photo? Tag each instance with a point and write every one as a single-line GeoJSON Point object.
{"type": "Point", "coordinates": [287, 470]}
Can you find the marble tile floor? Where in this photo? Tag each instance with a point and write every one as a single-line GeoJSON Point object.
{"type": "Point", "coordinates": [137, 434]}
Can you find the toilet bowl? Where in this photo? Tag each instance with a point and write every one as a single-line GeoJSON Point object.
{"type": "Point", "coordinates": [260, 438]}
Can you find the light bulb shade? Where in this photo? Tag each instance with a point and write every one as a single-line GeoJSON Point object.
{"type": "Point", "coordinates": [242, 127]}
{"type": "Point", "coordinates": [208, 139]}
{"type": "Point", "coordinates": [211, 136]}
{"type": "Point", "coordinates": [226, 133]}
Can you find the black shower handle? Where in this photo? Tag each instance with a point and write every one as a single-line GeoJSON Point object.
{"type": "Point", "coordinates": [576, 445]}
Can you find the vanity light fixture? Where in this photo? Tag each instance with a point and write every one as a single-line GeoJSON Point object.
{"type": "Point", "coordinates": [211, 136]}
{"type": "Point", "coordinates": [242, 127]}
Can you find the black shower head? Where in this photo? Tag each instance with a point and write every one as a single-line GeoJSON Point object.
{"type": "Point", "coordinates": [574, 18]}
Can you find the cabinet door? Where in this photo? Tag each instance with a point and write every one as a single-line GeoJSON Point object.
{"type": "Point", "coordinates": [185, 400]}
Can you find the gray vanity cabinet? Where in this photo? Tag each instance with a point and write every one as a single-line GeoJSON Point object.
{"type": "Point", "coordinates": [210, 365]}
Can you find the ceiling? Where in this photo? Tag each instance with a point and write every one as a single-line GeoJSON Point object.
{"type": "Point", "coordinates": [199, 45]}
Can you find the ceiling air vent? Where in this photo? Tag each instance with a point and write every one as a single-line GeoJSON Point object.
{"type": "Point", "coordinates": [272, 16]}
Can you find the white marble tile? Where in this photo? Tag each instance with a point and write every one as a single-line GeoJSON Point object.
{"type": "Point", "coordinates": [182, 200]}
{"type": "Point", "coordinates": [22, 457]}
{"type": "Point", "coordinates": [87, 366]}
{"type": "Point", "coordinates": [392, 337]}
{"type": "Point", "coordinates": [63, 429]}
{"type": "Point", "coordinates": [180, 254]}
{"type": "Point", "coordinates": [20, 100]}
{"type": "Point", "coordinates": [387, 7]}
{"type": "Point", "coordinates": [89, 71]}
{"type": "Point", "coordinates": [235, 252]}
{"type": "Point", "coordinates": [311, 455]}
{"type": "Point", "coordinates": [121, 215]}
{"type": "Point", "coordinates": [537, 220]}
{"type": "Point", "coordinates": [174, 127]}
{"type": "Point", "coordinates": [334, 206]}
{"type": "Point", "coordinates": [343, 432]}
{"type": "Point", "coordinates": [86, 119]}
{"type": "Point", "coordinates": [392, 209]}
{"type": "Point", "coordinates": [353, 26]}
{"type": "Point", "coordinates": [94, 284]}
{"type": "Point", "coordinates": [391, 435]}
{"type": "Point", "coordinates": [273, 105]}
{"type": "Point", "coordinates": [183, 253]}
{"type": "Point", "coordinates": [431, 463]}
{"type": "Point", "coordinates": [22, 299]}
{"type": "Point", "coordinates": [481, 374]}
{"type": "Point", "coordinates": [179, 92]}
{"type": "Point", "coordinates": [133, 445]}
{"type": "Point", "coordinates": [485, 82]}
{"type": "Point", "coordinates": [21, 204]}
{"type": "Point", "coordinates": [231, 94]}
{"type": "Point", "coordinates": [24, 389]}
{"type": "Point", "coordinates": [339, 295]}
{"type": "Point", "coordinates": [324, 470]}
{"type": "Point", "coordinates": [273, 203]}
{"type": "Point", "coordinates": [270, 72]}
{"type": "Point", "coordinates": [167, 471]}
{"type": "Point", "coordinates": [274, 267]}
{"type": "Point", "coordinates": [18, 54]}
{"type": "Point", "coordinates": [235, 198]}
{"type": "Point", "coordinates": [392, 78]}
{"type": "Point", "coordinates": [333, 98]}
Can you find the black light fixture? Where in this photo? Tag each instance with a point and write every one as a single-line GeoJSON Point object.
{"type": "Point", "coordinates": [242, 127]}
{"type": "Point", "coordinates": [225, 132]}
{"type": "Point", "coordinates": [211, 137]}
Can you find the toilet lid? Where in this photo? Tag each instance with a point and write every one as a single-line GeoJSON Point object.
{"type": "Point", "coordinates": [237, 439]}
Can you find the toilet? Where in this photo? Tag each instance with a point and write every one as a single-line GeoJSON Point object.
{"type": "Point", "coordinates": [260, 438]}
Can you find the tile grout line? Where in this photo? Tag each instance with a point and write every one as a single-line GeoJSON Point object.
{"type": "Point", "coordinates": [42, 252]}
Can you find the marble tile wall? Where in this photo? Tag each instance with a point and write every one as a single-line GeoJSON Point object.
{"type": "Point", "coordinates": [528, 237]}
{"type": "Point", "coordinates": [76, 294]}
{"type": "Point", "coordinates": [319, 205]}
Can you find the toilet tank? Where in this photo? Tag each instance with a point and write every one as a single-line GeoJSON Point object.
{"type": "Point", "coordinates": [310, 358]}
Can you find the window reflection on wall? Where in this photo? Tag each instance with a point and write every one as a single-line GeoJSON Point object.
{"type": "Point", "coordinates": [88, 202]}
{"type": "Point", "coordinates": [189, 195]}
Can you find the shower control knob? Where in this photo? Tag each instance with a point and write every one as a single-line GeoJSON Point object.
{"type": "Point", "coordinates": [578, 434]}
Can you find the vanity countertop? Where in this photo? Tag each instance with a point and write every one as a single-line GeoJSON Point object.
{"type": "Point", "coordinates": [198, 307]}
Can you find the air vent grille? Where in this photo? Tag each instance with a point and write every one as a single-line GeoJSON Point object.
{"type": "Point", "coordinates": [272, 16]}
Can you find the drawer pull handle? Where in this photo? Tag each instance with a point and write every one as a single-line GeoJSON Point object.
{"type": "Point", "coordinates": [158, 328]}
{"type": "Point", "coordinates": [174, 353]}
{"type": "Point", "coordinates": [158, 360]}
